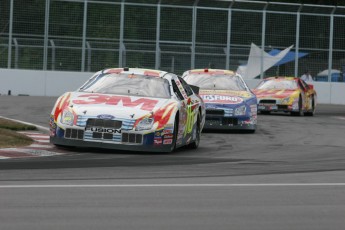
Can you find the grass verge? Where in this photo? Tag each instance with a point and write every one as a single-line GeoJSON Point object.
{"type": "Point", "coordinates": [9, 138]}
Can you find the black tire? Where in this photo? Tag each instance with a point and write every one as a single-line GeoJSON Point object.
{"type": "Point", "coordinates": [195, 144]}
{"type": "Point", "coordinates": [311, 113]}
{"type": "Point", "coordinates": [300, 109]}
{"type": "Point", "coordinates": [173, 144]}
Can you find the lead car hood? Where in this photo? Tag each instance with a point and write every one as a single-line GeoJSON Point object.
{"type": "Point", "coordinates": [275, 93]}
{"type": "Point", "coordinates": [109, 105]}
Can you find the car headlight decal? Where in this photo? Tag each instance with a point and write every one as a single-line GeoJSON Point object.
{"type": "Point", "coordinates": [145, 124]}
{"type": "Point", "coordinates": [67, 117]}
{"type": "Point", "coordinates": [240, 110]}
{"type": "Point", "coordinates": [285, 100]}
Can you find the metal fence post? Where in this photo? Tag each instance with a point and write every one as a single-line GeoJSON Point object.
{"type": "Point", "coordinates": [53, 53]}
{"type": "Point", "coordinates": [194, 34]}
{"type": "Point", "coordinates": [330, 54]}
{"type": "Point", "coordinates": [298, 26]}
{"type": "Point", "coordinates": [9, 57]}
{"type": "Point", "coordinates": [84, 37]}
{"type": "Point", "coordinates": [263, 32]}
{"type": "Point", "coordinates": [89, 51]}
{"type": "Point", "coordinates": [228, 38]}
{"type": "Point", "coordinates": [16, 53]}
{"type": "Point", "coordinates": [158, 25]}
{"type": "Point", "coordinates": [122, 22]}
{"type": "Point", "coordinates": [46, 33]}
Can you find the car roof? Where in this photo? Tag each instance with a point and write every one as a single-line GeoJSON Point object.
{"type": "Point", "coordinates": [210, 71]}
{"type": "Point", "coordinates": [281, 77]}
{"type": "Point", "coordinates": [139, 71]}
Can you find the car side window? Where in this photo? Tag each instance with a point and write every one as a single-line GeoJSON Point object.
{"type": "Point", "coordinates": [186, 87]}
{"type": "Point", "coordinates": [176, 90]}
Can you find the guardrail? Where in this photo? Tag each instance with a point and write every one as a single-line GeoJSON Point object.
{"type": "Point", "coordinates": [55, 83]}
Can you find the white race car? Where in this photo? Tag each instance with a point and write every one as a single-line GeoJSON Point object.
{"type": "Point", "coordinates": [129, 109]}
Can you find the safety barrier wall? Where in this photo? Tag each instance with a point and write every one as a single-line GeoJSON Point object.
{"type": "Point", "coordinates": [55, 83]}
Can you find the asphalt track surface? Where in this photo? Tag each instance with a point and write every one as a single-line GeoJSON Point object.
{"type": "Point", "coordinates": [290, 174]}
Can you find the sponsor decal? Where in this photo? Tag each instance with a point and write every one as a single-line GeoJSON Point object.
{"type": "Point", "coordinates": [102, 130]}
{"type": "Point", "coordinates": [125, 101]}
{"type": "Point", "coordinates": [105, 116]}
{"type": "Point", "coordinates": [179, 85]}
{"type": "Point", "coordinates": [221, 99]}
{"type": "Point", "coordinates": [158, 134]}
{"type": "Point", "coordinates": [253, 108]}
{"type": "Point", "coordinates": [157, 141]}
{"type": "Point", "coordinates": [167, 142]}
{"type": "Point", "coordinates": [168, 136]}
{"type": "Point", "coordinates": [190, 120]}
{"type": "Point", "coordinates": [167, 131]}
{"type": "Point", "coordinates": [242, 94]}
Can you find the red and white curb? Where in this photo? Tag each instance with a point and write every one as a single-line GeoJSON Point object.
{"type": "Point", "coordinates": [39, 148]}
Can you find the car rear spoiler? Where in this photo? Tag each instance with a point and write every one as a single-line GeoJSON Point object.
{"type": "Point", "coordinates": [195, 89]}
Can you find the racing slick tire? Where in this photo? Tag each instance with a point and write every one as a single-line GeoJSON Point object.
{"type": "Point", "coordinates": [173, 145]}
{"type": "Point", "coordinates": [195, 144]}
{"type": "Point", "coordinates": [311, 113]}
{"type": "Point", "coordinates": [300, 109]}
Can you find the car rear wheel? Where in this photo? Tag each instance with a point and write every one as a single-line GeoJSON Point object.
{"type": "Point", "coordinates": [311, 113]}
{"type": "Point", "coordinates": [196, 142]}
{"type": "Point", "coordinates": [300, 109]}
{"type": "Point", "coordinates": [173, 144]}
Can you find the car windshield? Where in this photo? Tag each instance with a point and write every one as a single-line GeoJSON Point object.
{"type": "Point", "coordinates": [128, 84]}
{"type": "Point", "coordinates": [277, 84]}
{"type": "Point", "coordinates": [216, 82]}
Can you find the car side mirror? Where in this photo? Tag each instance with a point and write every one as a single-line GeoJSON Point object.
{"type": "Point", "coordinates": [195, 89]}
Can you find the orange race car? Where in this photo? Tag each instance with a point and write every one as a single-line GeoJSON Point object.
{"type": "Point", "coordinates": [286, 94]}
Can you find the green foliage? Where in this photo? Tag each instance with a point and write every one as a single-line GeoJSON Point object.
{"type": "Point", "coordinates": [12, 125]}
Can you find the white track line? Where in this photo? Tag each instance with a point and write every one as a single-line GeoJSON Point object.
{"type": "Point", "coordinates": [171, 185]}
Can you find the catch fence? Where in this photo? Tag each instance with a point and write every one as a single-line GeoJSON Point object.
{"type": "Point", "coordinates": [89, 35]}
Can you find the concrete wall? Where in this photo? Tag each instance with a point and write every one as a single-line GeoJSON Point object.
{"type": "Point", "coordinates": [55, 83]}
{"type": "Point", "coordinates": [40, 83]}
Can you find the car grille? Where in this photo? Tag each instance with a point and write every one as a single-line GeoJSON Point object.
{"type": "Point", "coordinates": [127, 124]}
{"type": "Point", "coordinates": [222, 121]}
{"type": "Point", "coordinates": [74, 134]}
{"type": "Point", "coordinates": [132, 138]}
{"type": "Point", "coordinates": [103, 129]}
{"type": "Point", "coordinates": [267, 101]}
{"type": "Point", "coordinates": [103, 123]}
{"type": "Point", "coordinates": [214, 112]}
{"type": "Point", "coordinates": [280, 107]}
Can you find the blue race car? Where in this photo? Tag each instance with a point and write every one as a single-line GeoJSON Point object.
{"type": "Point", "coordinates": [229, 102]}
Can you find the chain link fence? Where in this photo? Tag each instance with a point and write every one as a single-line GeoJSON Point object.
{"type": "Point", "coordinates": [89, 35]}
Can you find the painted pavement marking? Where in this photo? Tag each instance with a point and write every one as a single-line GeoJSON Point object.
{"type": "Point", "coordinates": [39, 148]}
{"type": "Point", "coordinates": [263, 185]}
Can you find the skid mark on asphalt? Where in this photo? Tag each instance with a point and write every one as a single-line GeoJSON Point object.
{"type": "Point", "coordinates": [39, 148]}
